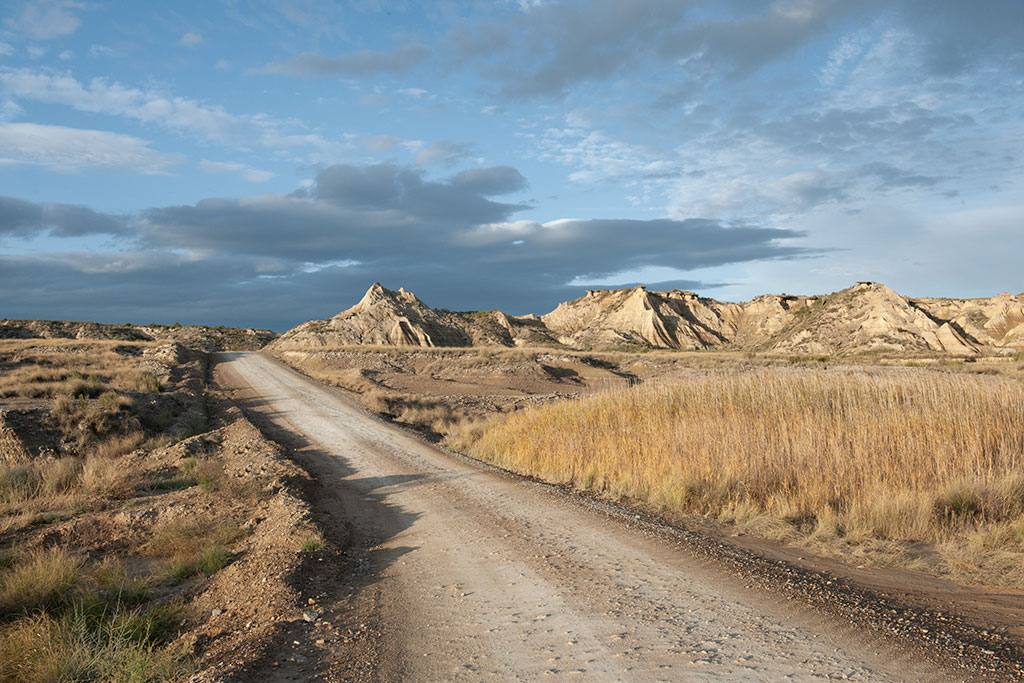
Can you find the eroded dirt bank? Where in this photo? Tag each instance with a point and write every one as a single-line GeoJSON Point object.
{"type": "Point", "coordinates": [469, 573]}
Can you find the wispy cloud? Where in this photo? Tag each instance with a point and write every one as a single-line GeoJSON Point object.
{"type": "Point", "coordinates": [364, 63]}
{"type": "Point", "coordinates": [64, 148]}
{"type": "Point", "coordinates": [444, 152]}
{"type": "Point", "coordinates": [253, 175]}
{"type": "Point", "coordinates": [156, 107]}
{"type": "Point", "coordinates": [46, 19]}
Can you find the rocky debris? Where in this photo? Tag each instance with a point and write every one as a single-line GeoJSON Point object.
{"type": "Point", "coordinates": [11, 447]}
{"type": "Point", "coordinates": [194, 336]}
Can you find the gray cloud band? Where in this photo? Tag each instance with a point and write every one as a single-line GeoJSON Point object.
{"type": "Point", "coordinates": [275, 260]}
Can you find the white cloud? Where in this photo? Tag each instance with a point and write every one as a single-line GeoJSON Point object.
{"type": "Point", "coordinates": [10, 110]}
{"type": "Point", "coordinates": [250, 174]}
{"type": "Point", "coordinates": [413, 92]}
{"type": "Point", "coordinates": [101, 51]}
{"type": "Point", "coordinates": [444, 152]}
{"type": "Point", "coordinates": [156, 107]}
{"type": "Point", "coordinates": [35, 51]}
{"type": "Point", "coordinates": [222, 64]}
{"type": "Point", "coordinates": [190, 39]}
{"type": "Point", "coordinates": [46, 19]}
{"type": "Point", "coordinates": [375, 100]}
{"type": "Point", "coordinates": [6, 50]}
{"type": "Point", "coordinates": [598, 157]}
{"type": "Point", "coordinates": [839, 58]}
{"type": "Point", "coordinates": [72, 148]}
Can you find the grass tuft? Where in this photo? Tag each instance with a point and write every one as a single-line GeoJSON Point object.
{"type": "Point", "coordinates": [313, 542]}
{"type": "Point", "coordinates": [40, 580]}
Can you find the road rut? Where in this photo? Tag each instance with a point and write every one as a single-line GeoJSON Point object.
{"type": "Point", "coordinates": [484, 576]}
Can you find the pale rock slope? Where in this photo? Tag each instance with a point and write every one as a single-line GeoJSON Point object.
{"type": "Point", "coordinates": [997, 321]}
{"type": "Point", "coordinates": [382, 317]}
{"type": "Point", "coordinates": [864, 318]}
{"type": "Point", "coordinates": [869, 317]}
{"type": "Point", "coordinates": [675, 319]}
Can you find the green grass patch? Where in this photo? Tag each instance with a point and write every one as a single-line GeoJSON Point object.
{"type": "Point", "coordinates": [313, 542]}
{"type": "Point", "coordinates": [84, 643]}
{"type": "Point", "coordinates": [41, 580]}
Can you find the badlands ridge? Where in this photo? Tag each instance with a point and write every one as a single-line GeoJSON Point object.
{"type": "Point", "coordinates": [863, 318]}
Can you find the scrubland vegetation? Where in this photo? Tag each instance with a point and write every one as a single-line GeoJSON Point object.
{"type": "Point", "coordinates": [60, 621]}
{"type": "Point", "coordinates": [868, 461]}
{"type": "Point", "coordinates": [93, 409]}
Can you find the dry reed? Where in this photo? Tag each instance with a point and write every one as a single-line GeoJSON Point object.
{"type": "Point", "coordinates": [869, 454]}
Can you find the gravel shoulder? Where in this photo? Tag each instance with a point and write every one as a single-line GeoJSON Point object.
{"type": "Point", "coordinates": [465, 572]}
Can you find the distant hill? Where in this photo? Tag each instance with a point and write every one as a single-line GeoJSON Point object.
{"type": "Point", "coordinates": [193, 336]}
{"type": "Point", "coordinates": [866, 317]}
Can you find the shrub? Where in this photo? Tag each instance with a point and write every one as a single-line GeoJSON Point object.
{"type": "Point", "coordinates": [194, 546]}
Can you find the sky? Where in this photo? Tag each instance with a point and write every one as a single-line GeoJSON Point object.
{"type": "Point", "coordinates": [262, 163]}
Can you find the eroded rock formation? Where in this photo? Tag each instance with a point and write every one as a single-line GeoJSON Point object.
{"type": "Point", "coordinates": [863, 318]}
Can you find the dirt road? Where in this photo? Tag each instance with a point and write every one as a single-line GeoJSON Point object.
{"type": "Point", "coordinates": [477, 575]}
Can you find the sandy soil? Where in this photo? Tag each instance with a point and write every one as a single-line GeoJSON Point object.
{"type": "Point", "coordinates": [466, 573]}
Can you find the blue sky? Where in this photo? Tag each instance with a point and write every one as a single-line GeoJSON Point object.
{"type": "Point", "coordinates": [262, 163]}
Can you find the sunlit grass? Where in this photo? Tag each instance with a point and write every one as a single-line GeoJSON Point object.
{"type": "Point", "coordinates": [911, 456]}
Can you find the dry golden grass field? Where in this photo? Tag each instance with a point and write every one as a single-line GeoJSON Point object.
{"type": "Point", "coordinates": [849, 457]}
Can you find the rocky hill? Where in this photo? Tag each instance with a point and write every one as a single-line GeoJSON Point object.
{"type": "Point", "coordinates": [399, 318]}
{"type": "Point", "coordinates": [870, 317]}
{"type": "Point", "coordinates": [676, 319]}
{"type": "Point", "coordinates": [863, 318]}
{"type": "Point", "coordinates": [193, 336]}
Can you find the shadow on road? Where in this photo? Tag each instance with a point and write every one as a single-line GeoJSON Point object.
{"type": "Point", "coordinates": [356, 520]}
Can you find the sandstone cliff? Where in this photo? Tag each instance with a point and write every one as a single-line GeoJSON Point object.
{"type": "Point", "coordinates": [863, 318]}
{"type": "Point", "coordinates": [868, 317]}
{"type": "Point", "coordinates": [382, 317]}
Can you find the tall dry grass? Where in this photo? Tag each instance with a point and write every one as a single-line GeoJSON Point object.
{"type": "Point", "coordinates": [62, 622]}
{"type": "Point", "coordinates": [35, 368]}
{"type": "Point", "coordinates": [859, 454]}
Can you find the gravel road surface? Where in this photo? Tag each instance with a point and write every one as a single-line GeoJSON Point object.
{"type": "Point", "coordinates": [479, 575]}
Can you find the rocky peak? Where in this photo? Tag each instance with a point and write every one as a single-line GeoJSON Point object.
{"type": "Point", "coordinates": [865, 317]}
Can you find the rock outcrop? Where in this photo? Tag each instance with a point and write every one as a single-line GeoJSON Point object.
{"type": "Point", "coordinates": [869, 317]}
{"type": "Point", "coordinates": [382, 317]}
{"type": "Point", "coordinates": [864, 318]}
{"type": "Point", "coordinates": [997, 321]}
{"type": "Point", "coordinates": [675, 319]}
{"type": "Point", "coordinates": [194, 336]}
